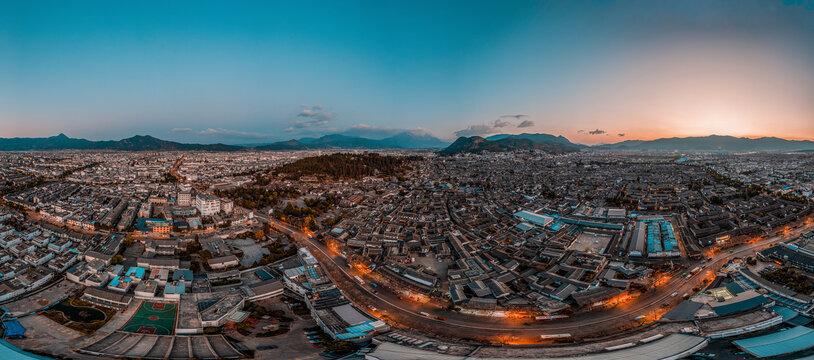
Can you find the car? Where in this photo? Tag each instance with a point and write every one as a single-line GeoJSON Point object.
{"type": "Point", "coordinates": [371, 307]}
{"type": "Point", "coordinates": [266, 347]}
{"type": "Point", "coordinates": [315, 341]}
{"type": "Point", "coordinates": [441, 318]}
{"type": "Point", "coordinates": [674, 294]}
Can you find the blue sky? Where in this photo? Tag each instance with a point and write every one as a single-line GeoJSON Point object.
{"type": "Point", "coordinates": [249, 72]}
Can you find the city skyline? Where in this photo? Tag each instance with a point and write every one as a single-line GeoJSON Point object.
{"type": "Point", "coordinates": [262, 72]}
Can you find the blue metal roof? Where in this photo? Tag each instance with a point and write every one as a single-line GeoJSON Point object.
{"type": "Point", "coordinates": [746, 304]}
{"type": "Point", "coordinates": [782, 342]}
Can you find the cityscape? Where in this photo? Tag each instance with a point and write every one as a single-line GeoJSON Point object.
{"type": "Point", "coordinates": [173, 184]}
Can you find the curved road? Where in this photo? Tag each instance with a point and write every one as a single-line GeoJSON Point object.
{"type": "Point", "coordinates": [469, 326]}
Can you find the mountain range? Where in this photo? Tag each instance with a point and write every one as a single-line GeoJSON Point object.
{"type": "Point", "coordinates": [405, 140]}
{"type": "Point", "coordinates": [712, 143]}
{"type": "Point", "coordinates": [135, 143]}
{"type": "Point", "coordinates": [415, 140]}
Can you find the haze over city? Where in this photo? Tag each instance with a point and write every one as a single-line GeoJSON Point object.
{"type": "Point", "coordinates": [255, 72]}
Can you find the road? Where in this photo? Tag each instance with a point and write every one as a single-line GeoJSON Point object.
{"type": "Point", "coordinates": [405, 313]}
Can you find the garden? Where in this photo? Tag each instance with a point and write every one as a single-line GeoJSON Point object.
{"type": "Point", "coordinates": [79, 315]}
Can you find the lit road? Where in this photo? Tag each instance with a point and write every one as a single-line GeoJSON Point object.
{"type": "Point", "coordinates": [405, 313]}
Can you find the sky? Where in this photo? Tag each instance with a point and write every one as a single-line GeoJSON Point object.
{"type": "Point", "coordinates": [245, 72]}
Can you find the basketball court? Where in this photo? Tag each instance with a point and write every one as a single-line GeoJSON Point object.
{"type": "Point", "coordinates": [152, 318]}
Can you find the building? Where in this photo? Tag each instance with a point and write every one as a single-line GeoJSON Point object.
{"type": "Point", "coordinates": [227, 206]}
{"type": "Point", "coordinates": [184, 198]}
{"type": "Point", "coordinates": [207, 204]}
{"type": "Point", "coordinates": [106, 298]}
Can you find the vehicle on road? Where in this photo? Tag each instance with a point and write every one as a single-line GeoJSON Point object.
{"type": "Point", "coordinates": [674, 294]}
{"type": "Point", "coordinates": [639, 317]}
{"type": "Point", "coordinates": [359, 279]}
{"type": "Point", "coordinates": [440, 318]}
{"type": "Point", "coordinates": [371, 307]}
{"type": "Point", "coordinates": [423, 313]}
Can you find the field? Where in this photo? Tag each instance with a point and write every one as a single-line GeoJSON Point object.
{"type": "Point", "coordinates": [153, 318]}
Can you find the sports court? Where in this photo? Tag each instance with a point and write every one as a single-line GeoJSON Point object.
{"type": "Point", "coordinates": [152, 318]}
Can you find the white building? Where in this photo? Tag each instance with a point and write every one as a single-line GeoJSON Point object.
{"type": "Point", "coordinates": [207, 204]}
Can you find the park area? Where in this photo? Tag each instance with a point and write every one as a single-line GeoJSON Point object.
{"type": "Point", "coordinates": [78, 315]}
{"type": "Point", "coordinates": [153, 318]}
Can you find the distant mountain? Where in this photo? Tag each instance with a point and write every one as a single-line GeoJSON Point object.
{"type": "Point", "coordinates": [712, 143]}
{"type": "Point", "coordinates": [477, 144]}
{"type": "Point", "coordinates": [405, 140]}
{"type": "Point", "coordinates": [135, 143]}
{"type": "Point", "coordinates": [540, 138]}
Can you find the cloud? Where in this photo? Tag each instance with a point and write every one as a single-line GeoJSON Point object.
{"type": "Point", "coordinates": [621, 134]}
{"type": "Point", "coordinates": [499, 123]}
{"type": "Point", "coordinates": [516, 116]}
{"type": "Point", "coordinates": [495, 126]}
{"type": "Point", "coordinates": [182, 130]}
{"type": "Point", "coordinates": [525, 124]}
{"type": "Point", "coordinates": [596, 132]}
{"type": "Point", "coordinates": [580, 131]}
{"type": "Point", "coordinates": [476, 130]}
{"type": "Point", "coordinates": [311, 116]}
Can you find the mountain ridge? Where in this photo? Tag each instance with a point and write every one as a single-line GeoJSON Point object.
{"type": "Point", "coordinates": [403, 140]}
{"type": "Point", "coordinates": [412, 140]}
{"type": "Point", "coordinates": [711, 143]}
{"type": "Point", "coordinates": [477, 144]}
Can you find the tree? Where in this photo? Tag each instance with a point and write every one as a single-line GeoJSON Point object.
{"type": "Point", "coordinates": [128, 240]}
{"type": "Point", "coordinates": [205, 255]}
{"type": "Point", "coordinates": [310, 223]}
{"type": "Point", "coordinates": [116, 260]}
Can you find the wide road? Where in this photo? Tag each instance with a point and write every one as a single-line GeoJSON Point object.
{"type": "Point", "coordinates": [405, 312]}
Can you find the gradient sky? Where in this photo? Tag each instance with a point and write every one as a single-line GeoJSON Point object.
{"type": "Point", "coordinates": [251, 72]}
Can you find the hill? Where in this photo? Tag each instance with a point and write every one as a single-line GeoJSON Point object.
{"type": "Point", "coordinates": [477, 144]}
{"type": "Point", "coordinates": [346, 166]}
{"type": "Point", "coordinates": [540, 138]}
{"type": "Point", "coordinates": [712, 143]}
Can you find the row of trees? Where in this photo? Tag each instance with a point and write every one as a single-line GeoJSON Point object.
{"type": "Point", "coordinates": [257, 197]}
